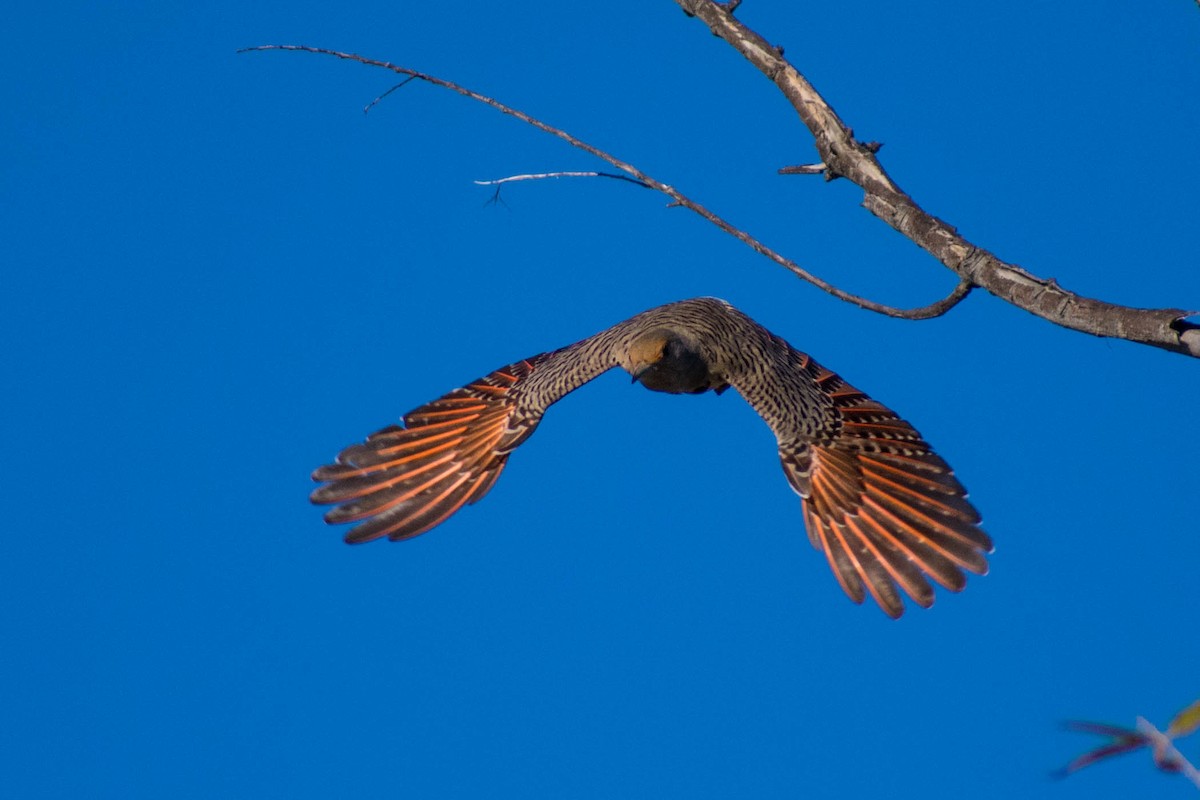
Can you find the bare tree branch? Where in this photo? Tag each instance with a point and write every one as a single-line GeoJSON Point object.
{"type": "Point", "coordinates": [924, 312]}
{"type": "Point", "coordinates": [843, 156]}
{"type": "Point", "coordinates": [539, 176]}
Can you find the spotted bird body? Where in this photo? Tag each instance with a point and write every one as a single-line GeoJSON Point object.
{"type": "Point", "coordinates": [887, 512]}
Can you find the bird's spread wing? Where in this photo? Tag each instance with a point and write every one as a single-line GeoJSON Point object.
{"type": "Point", "coordinates": [404, 480]}
{"type": "Point", "coordinates": [881, 505]}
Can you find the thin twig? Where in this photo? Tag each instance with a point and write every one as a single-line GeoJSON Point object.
{"type": "Point", "coordinates": [367, 108]}
{"type": "Point", "coordinates": [537, 176]}
{"type": "Point", "coordinates": [925, 312]}
{"type": "Point", "coordinates": [499, 182]}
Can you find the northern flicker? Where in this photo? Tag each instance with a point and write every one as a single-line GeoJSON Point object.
{"type": "Point", "coordinates": [885, 510]}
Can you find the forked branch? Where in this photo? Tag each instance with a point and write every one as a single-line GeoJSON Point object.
{"type": "Point", "coordinates": [843, 156]}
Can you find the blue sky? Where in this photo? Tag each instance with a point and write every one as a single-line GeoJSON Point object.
{"type": "Point", "coordinates": [218, 272]}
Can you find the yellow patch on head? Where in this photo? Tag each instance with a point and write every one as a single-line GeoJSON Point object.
{"type": "Point", "coordinates": [648, 348]}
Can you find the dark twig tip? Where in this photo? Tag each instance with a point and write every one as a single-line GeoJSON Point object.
{"type": "Point", "coordinates": [496, 199]}
{"type": "Point", "coordinates": [367, 108]}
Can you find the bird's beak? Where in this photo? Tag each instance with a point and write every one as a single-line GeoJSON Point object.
{"type": "Point", "coordinates": [638, 371]}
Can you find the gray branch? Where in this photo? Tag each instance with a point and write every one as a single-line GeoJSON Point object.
{"type": "Point", "coordinates": [843, 156]}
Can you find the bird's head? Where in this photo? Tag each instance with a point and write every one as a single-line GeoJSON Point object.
{"type": "Point", "coordinates": [646, 350]}
{"type": "Point", "coordinates": [664, 361]}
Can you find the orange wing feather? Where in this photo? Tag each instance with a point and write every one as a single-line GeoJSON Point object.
{"type": "Point", "coordinates": [882, 506]}
{"type": "Point", "coordinates": [404, 480]}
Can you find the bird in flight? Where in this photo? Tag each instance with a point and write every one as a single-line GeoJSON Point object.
{"type": "Point", "coordinates": [885, 510]}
